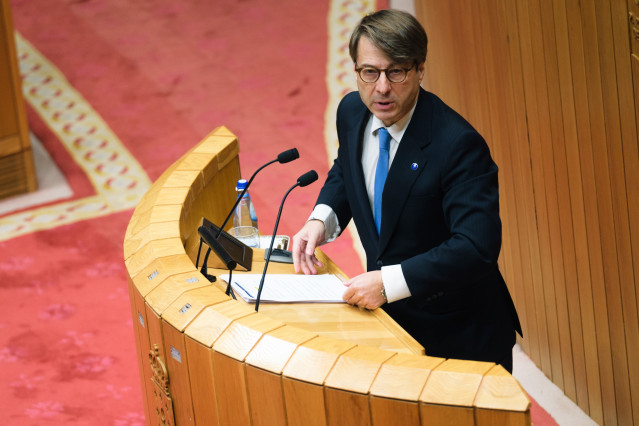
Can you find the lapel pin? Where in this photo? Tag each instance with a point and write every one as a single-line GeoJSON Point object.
{"type": "Point", "coordinates": [414, 166]}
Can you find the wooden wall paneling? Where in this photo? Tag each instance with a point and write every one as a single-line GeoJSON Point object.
{"type": "Point", "coordinates": [546, 88]}
{"type": "Point", "coordinates": [562, 243]}
{"type": "Point", "coordinates": [202, 379]}
{"type": "Point", "coordinates": [575, 248]}
{"type": "Point", "coordinates": [503, 105]}
{"type": "Point", "coordinates": [534, 101]}
{"type": "Point", "coordinates": [435, 17]}
{"type": "Point", "coordinates": [567, 171]}
{"type": "Point", "coordinates": [525, 203]}
{"type": "Point", "coordinates": [474, 92]}
{"type": "Point", "coordinates": [584, 209]}
{"type": "Point", "coordinates": [603, 244]}
{"type": "Point", "coordinates": [179, 382]}
{"type": "Point", "coordinates": [629, 119]}
{"type": "Point", "coordinates": [620, 269]}
{"type": "Point", "coordinates": [498, 97]}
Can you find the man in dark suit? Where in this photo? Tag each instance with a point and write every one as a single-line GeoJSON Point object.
{"type": "Point", "coordinates": [422, 188]}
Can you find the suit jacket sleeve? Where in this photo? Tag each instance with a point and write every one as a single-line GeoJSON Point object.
{"type": "Point", "coordinates": [470, 237]}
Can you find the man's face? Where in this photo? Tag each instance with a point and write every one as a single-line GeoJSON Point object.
{"type": "Point", "coordinates": [387, 101]}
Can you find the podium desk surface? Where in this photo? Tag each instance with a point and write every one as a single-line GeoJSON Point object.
{"type": "Point", "coordinates": [373, 328]}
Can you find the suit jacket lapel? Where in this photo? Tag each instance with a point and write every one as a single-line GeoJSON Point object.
{"type": "Point", "coordinates": [402, 174]}
{"type": "Point", "coordinates": [355, 138]}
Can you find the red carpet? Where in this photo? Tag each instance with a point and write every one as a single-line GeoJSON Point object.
{"type": "Point", "coordinates": [162, 75]}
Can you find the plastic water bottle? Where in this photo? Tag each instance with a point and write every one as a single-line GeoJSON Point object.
{"type": "Point", "coordinates": [244, 214]}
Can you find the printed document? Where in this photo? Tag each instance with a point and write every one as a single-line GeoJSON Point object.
{"type": "Point", "coordinates": [288, 288]}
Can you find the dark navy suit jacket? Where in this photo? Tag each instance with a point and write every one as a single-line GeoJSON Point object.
{"type": "Point", "coordinates": [440, 221]}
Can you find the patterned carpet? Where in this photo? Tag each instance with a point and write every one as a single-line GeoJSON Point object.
{"type": "Point", "coordinates": [116, 91]}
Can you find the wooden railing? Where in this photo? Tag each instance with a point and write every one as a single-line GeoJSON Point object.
{"type": "Point", "coordinates": [207, 359]}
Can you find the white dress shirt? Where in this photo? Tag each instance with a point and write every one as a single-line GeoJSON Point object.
{"type": "Point", "coordinates": [392, 275]}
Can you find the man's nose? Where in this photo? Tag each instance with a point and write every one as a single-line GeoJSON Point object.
{"type": "Point", "coordinates": [382, 85]}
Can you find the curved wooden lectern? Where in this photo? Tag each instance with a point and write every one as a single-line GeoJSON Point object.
{"type": "Point", "coordinates": [210, 360]}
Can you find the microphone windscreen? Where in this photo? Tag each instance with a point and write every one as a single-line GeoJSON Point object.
{"type": "Point", "coordinates": [290, 155]}
{"type": "Point", "coordinates": [307, 178]}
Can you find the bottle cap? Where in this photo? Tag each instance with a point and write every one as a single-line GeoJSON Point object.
{"type": "Point", "coordinates": [241, 184]}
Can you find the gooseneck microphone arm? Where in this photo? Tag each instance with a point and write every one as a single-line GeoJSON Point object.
{"type": "Point", "coordinates": [283, 157]}
{"type": "Point", "coordinates": [304, 180]}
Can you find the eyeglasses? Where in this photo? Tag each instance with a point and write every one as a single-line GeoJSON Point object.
{"type": "Point", "coordinates": [394, 75]}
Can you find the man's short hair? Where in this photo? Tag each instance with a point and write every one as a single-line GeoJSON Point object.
{"type": "Point", "coordinates": [396, 33]}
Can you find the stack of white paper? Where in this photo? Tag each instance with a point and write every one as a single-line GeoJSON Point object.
{"type": "Point", "coordinates": [288, 288]}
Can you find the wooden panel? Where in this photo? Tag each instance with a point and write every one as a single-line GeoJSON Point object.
{"type": "Point", "coordinates": [274, 350]}
{"type": "Point", "coordinates": [346, 408]}
{"type": "Point", "coordinates": [404, 376]}
{"type": "Point", "coordinates": [304, 403]}
{"type": "Point", "coordinates": [155, 342]}
{"type": "Point", "coordinates": [498, 389]}
{"type": "Point", "coordinates": [266, 397]}
{"type": "Point", "coordinates": [141, 341]}
{"type": "Point", "coordinates": [230, 390]}
{"type": "Point", "coordinates": [213, 320]}
{"type": "Point", "coordinates": [356, 369]}
{"type": "Point", "coordinates": [200, 363]}
{"type": "Point", "coordinates": [386, 411]}
{"type": "Point", "coordinates": [445, 415]}
{"type": "Point", "coordinates": [560, 111]}
{"type": "Point", "coordinates": [16, 159]}
{"type": "Point", "coordinates": [314, 360]}
{"type": "Point", "coordinates": [178, 368]}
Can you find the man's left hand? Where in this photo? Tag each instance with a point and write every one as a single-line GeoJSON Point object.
{"type": "Point", "coordinates": [365, 290]}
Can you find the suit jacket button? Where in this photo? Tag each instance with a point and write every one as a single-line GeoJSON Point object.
{"type": "Point", "coordinates": [380, 263]}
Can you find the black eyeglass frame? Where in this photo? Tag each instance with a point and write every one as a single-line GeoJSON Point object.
{"type": "Point", "coordinates": [385, 70]}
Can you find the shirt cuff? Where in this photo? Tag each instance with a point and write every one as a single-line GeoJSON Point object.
{"type": "Point", "coordinates": [326, 214]}
{"type": "Point", "coordinates": [394, 283]}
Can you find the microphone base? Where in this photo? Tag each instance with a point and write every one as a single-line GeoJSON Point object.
{"type": "Point", "coordinates": [279, 256]}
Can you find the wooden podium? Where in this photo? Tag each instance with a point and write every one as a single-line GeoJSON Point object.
{"type": "Point", "coordinates": [207, 359]}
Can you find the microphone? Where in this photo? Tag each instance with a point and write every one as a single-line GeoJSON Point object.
{"type": "Point", "coordinates": [304, 180]}
{"type": "Point", "coordinates": [283, 157]}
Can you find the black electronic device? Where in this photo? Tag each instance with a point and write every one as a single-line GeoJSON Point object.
{"type": "Point", "coordinates": [239, 252]}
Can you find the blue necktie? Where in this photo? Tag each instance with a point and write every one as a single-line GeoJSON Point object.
{"type": "Point", "coordinates": [380, 174]}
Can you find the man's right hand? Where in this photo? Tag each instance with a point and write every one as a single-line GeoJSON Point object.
{"type": "Point", "coordinates": [304, 244]}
